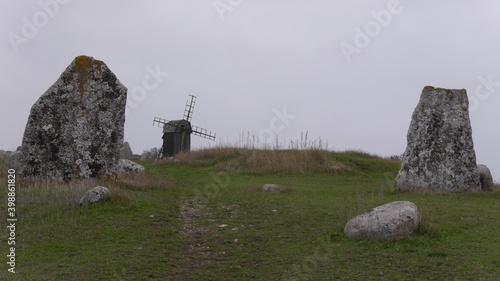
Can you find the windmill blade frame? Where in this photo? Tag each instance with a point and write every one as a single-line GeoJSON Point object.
{"type": "Point", "coordinates": [202, 132]}
{"type": "Point", "coordinates": [188, 111]}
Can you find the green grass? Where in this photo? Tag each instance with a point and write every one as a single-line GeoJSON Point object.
{"type": "Point", "coordinates": [202, 218]}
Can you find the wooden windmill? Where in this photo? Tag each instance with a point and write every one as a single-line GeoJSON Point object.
{"type": "Point", "coordinates": [177, 133]}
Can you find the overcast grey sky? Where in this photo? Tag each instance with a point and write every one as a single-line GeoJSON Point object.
{"type": "Point", "coordinates": [350, 72]}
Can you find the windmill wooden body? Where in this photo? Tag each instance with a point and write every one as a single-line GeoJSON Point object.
{"type": "Point", "coordinates": [177, 133]}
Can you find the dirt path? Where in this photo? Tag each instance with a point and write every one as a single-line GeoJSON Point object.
{"type": "Point", "coordinates": [198, 223]}
{"type": "Point", "coordinates": [195, 252]}
{"type": "Point", "coordinates": [192, 213]}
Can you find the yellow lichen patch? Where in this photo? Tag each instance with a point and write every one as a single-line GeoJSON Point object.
{"type": "Point", "coordinates": [427, 89]}
{"type": "Point", "coordinates": [84, 66]}
{"type": "Point", "coordinates": [449, 94]}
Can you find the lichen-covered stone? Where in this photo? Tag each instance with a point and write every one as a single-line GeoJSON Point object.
{"type": "Point", "coordinates": [126, 166]}
{"type": "Point", "coordinates": [75, 129]}
{"type": "Point", "coordinates": [440, 155]}
{"type": "Point", "coordinates": [392, 220]}
{"type": "Point", "coordinates": [94, 195]}
{"type": "Point", "coordinates": [485, 177]}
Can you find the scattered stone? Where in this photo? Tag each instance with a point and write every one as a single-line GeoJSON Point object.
{"type": "Point", "coordinates": [485, 177]}
{"type": "Point", "coordinates": [75, 129]}
{"type": "Point", "coordinates": [440, 153]}
{"type": "Point", "coordinates": [12, 160]}
{"type": "Point", "coordinates": [94, 195]}
{"type": "Point", "coordinates": [151, 216]}
{"type": "Point", "coordinates": [126, 151]}
{"type": "Point", "coordinates": [223, 225]}
{"type": "Point", "coordinates": [392, 220]}
{"type": "Point", "coordinates": [126, 166]}
{"type": "Point", "coordinates": [274, 211]}
{"type": "Point", "coordinates": [150, 155]}
{"type": "Point", "coordinates": [234, 229]}
{"type": "Point", "coordinates": [272, 188]}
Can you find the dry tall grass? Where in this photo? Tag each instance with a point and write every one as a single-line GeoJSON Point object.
{"type": "Point", "coordinates": [263, 161]}
{"type": "Point", "coordinates": [40, 197]}
{"type": "Point", "coordinates": [206, 155]}
{"type": "Point", "coordinates": [287, 162]}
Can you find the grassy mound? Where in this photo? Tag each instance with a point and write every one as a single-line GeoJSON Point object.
{"type": "Point", "coordinates": [201, 216]}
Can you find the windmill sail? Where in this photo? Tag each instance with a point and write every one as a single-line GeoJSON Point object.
{"type": "Point", "coordinates": [188, 112]}
{"type": "Point", "coordinates": [203, 133]}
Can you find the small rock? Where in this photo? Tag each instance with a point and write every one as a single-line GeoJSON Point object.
{"type": "Point", "coordinates": [234, 229]}
{"type": "Point", "coordinates": [485, 177]}
{"type": "Point", "coordinates": [391, 220]}
{"type": "Point", "coordinates": [12, 160]}
{"type": "Point", "coordinates": [272, 188]}
{"type": "Point", "coordinates": [274, 211]}
{"type": "Point", "coordinates": [223, 225]}
{"type": "Point", "coordinates": [126, 166]}
{"type": "Point", "coordinates": [94, 195]}
{"type": "Point", "coordinates": [151, 216]}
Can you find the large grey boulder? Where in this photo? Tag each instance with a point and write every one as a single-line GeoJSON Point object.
{"type": "Point", "coordinates": [440, 154]}
{"type": "Point", "coordinates": [75, 129]}
{"type": "Point", "coordinates": [392, 220]}
{"type": "Point", "coordinates": [485, 177]}
{"type": "Point", "coordinates": [94, 195]}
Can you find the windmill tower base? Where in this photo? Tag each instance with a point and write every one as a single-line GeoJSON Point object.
{"type": "Point", "coordinates": [176, 137]}
{"type": "Point", "coordinates": [172, 144]}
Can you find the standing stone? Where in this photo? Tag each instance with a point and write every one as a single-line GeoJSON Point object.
{"type": "Point", "coordinates": [485, 177]}
{"type": "Point", "coordinates": [440, 154]}
{"type": "Point", "coordinates": [75, 129]}
{"type": "Point", "coordinates": [126, 151]}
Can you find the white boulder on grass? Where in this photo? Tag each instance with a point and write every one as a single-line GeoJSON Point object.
{"type": "Point", "coordinates": [94, 195]}
{"type": "Point", "coordinates": [392, 220]}
{"type": "Point", "coordinates": [272, 188]}
{"type": "Point", "coordinates": [485, 177]}
{"type": "Point", "coordinates": [126, 166]}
